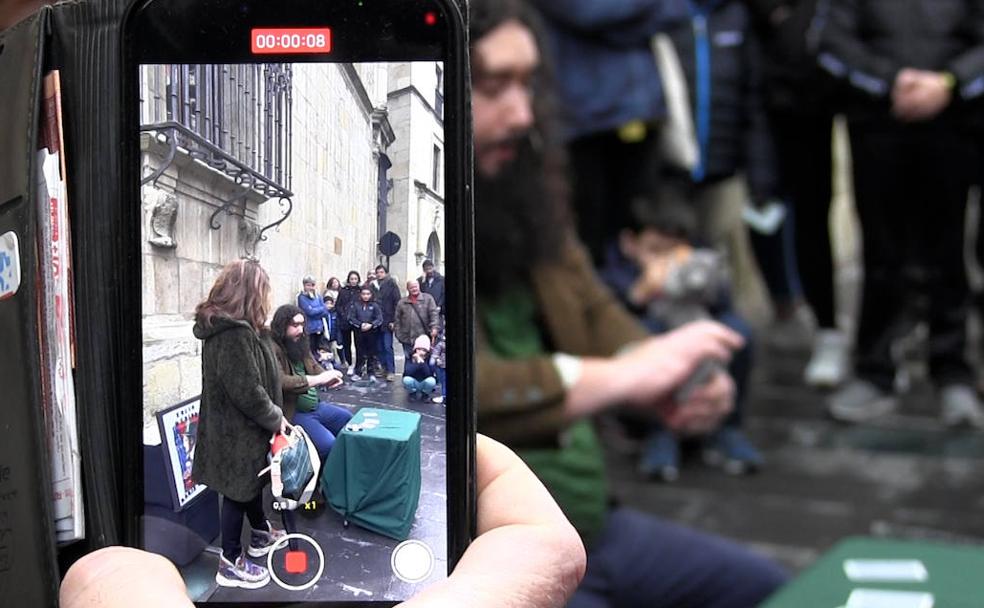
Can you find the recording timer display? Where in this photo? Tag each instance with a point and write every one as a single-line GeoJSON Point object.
{"type": "Point", "coordinates": [290, 40]}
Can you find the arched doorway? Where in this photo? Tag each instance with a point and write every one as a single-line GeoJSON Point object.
{"type": "Point", "coordinates": [434, 251]}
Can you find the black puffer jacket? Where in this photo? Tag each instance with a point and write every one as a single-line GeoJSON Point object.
{"type": "Point", "coordinates": [726, 93]}
{"type": "Point", "coordinates": [867, 42]}
{"type": "Point", "coordinates": [794, 81]}
{"type": "Point", "coordinates": [347, 296]}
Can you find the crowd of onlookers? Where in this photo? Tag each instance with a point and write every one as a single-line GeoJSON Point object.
{"type": "Point", "coordinates": [699, 133]}
{"type": "Point", "coordinates": [352, 328]}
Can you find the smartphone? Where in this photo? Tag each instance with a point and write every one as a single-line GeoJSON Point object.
{"type": "Point", "coordinates": [318, 139]}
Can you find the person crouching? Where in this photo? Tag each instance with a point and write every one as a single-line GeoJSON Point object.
{"type": "Point", "coordinates": [419, 376]}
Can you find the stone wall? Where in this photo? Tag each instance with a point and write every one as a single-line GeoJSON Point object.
{"type": "Point", "coordinates": [331, 228]}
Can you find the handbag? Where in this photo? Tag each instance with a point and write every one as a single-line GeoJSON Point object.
{"type": "Point", "coordinates": [294, 468]}
{"type": "Point", "coordinates": [678, 138]}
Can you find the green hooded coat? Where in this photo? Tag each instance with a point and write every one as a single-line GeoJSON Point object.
{"type": "Point", "coordinates": [241, 408]}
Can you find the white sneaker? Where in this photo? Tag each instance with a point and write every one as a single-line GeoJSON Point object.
{"type": "Point", "coordinates": [860, 401]}
{"type": "Point", "coordinates": [961, 407]}
{"type": "Point", "coordinates": [828, 367]}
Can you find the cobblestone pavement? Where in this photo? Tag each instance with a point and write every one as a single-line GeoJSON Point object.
{"type": "Point", "coordinates": [357, 561]}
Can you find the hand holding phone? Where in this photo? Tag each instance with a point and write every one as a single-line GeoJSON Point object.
{"type": "Point", "coordinates": [256, 130]}
{"type": "Point", "coordinates": [514, 510]}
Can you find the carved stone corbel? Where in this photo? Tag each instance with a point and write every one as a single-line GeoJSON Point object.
{"type": "Point", "coordinates": [163, 207]}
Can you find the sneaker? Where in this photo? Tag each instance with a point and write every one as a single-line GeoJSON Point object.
{"type": "Point", "coordinates": [828, 366]}
{"type": "Point", "coordinates": [391, 377]}
{"type": "Point", "coordinates": [372, 379]}
{"type": "Point", "coordinates": [793, 331]}
{"type": "Point", "coordinates": [355, 377]}
{"type": "Point", "coordinates": [731, 450]}
{"type": "Point", "coordinates": [351, 371]}
{"type": "Point", "coordinates": [661, 457]}
{"type": "Point", "coordinates": [243, 573]}
{"type": "Point", "coordinates": [961, 407]}
{"type": "Point", "coordinates": [860, 401]}
{"type": "Point", "coordinates": [261, 541]}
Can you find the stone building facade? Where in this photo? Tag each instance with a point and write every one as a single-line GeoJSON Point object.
{"type": "Point", "coordinates": [227, 153]}
{"type": "Point", "coordinates": [416, 212]}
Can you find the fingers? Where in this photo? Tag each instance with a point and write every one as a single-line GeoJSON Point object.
{"type": "Point", "coordinates": [508, 492]}
{"type": "Point", "coordinates": [526, 555]}
{"type": "Point", "coordinates": [706, 408]}
{"type": "Point", "coordinates": [120, 577]}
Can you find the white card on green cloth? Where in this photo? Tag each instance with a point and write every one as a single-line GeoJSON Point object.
{"type": "Point", "coordinates": [879, 598]}
{"type": "Point", "coordinates": [885, 570]}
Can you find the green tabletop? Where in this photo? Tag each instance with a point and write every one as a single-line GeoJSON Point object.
{"type": "Point", "coordinates": [956, 574]}
{"type": "Point", "coordinates": [372, 475]}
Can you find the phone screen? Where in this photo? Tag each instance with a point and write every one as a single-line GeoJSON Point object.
{"type": "Point", "coordinates": [300, 251]}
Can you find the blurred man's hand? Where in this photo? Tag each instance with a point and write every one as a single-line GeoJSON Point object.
{"type": "Point", "coordinates": [920, 95]}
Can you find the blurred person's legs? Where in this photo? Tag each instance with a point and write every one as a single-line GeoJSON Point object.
{"type": "Point", "coordinates": [629, 565]}
{"type": "Point", "coordinates": [805, 155]}
{"type": "Point", "coordinates": [911, 187]}
{"type": "Point", "coordinates": [729, 447]}
{"type": "Point", "coordinates": [719, 206]}
{"type": "Point", "coordinates": [608, 172]}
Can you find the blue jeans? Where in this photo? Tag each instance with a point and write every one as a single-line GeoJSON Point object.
{"type": "Point", "coordinates": [639, 560]}
{"type": "Point", "coordinates": [386, 358]}
{"type": "Point", "coordinates": [323, 425]}
{"type": "Point", "coordinates": [425, 386]}
{"type": "Point", "coordinates": [442, 380]}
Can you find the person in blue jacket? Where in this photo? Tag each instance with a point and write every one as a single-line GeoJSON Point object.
{"type": "Point", "coordinates": [611, 102]}
{"type": "Point", "coordinates": [315, 313]}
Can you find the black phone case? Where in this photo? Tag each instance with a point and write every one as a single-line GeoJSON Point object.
{"type": "Point", "coordinates": [82, 40]}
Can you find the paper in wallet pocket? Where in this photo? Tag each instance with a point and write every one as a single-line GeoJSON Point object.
{"type": "Point", "coordinates": [28, 566]}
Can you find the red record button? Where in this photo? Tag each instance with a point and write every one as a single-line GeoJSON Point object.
{"type": "Point", "coordinates": [277, 41]}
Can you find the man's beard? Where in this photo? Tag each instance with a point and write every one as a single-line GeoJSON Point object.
{"type": "Point", "coordinates": [297, 350]}
{"type": "Point", "coordinates": [520, 222]}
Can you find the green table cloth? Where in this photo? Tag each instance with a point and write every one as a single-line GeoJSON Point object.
{"type": "Point", "coordinates": [372, 475]}
{"type": "Point", "coordinates": [956, 574]}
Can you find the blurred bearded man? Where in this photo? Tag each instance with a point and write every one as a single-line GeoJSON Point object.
{"type": "Point", "coordinates": [548, 334]}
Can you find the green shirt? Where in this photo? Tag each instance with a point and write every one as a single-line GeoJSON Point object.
{"type": "Point", "coordinates": [575, 472]}
{"type": "Point", "coordinates": [306, 402]}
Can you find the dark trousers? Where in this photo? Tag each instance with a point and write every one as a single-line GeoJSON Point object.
{"type": "Point", "coordinates": [803, 149]}
{"type": "Point", "coordinates": [232, 523]}
{"type": "Point", "coordinates": [608, 173]}
{"type": "Point", "coordinates": [347, 346]}
{"type": "Point", "coordinates": [366, 345]}
{"type": "Point", "coordinates": [776, 257]}
{"type": "Point", "coordinates": [315, 340]}
{"type": "Point", "coordinates": [641, 561]}
{"type": "Point", "coordinates": [911, 186]}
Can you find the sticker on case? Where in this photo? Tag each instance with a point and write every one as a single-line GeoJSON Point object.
{"type": "Point", "coordinates": [10, 265]}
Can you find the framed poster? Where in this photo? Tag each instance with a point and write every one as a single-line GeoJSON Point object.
{"type": "Point", "coordinates": [179, 430]}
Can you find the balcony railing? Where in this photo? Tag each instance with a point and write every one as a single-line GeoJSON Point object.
{"type": "Point", "coordinates": [242, 112]}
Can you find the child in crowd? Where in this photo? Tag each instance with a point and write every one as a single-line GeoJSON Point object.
{"type": "Point", "coordinates": [439, 363]}
{"type": "Point", "coordinates": [667, 281]}
{"type": "Point", "coordinates": [419, 376]}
